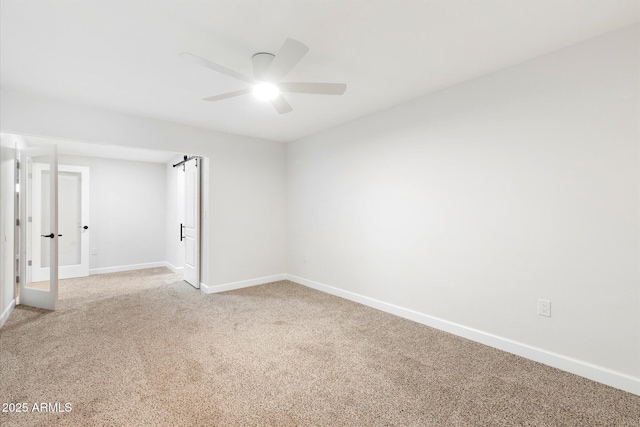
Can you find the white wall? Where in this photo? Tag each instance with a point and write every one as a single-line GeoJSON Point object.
{"type": "Point", "coordinates": [7, 228]}
{"type": "Point", "coordinates": [246, 182]}
{"type": "Point", "coordinates": [471, 203]}
{"type": "Point", "coordinates": [127, 211]}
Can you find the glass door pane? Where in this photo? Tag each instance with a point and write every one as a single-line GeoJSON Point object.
{"type": "Point", "coordinates": [39, 214]}
{"type": "Point", "coordinates": [69, 218]}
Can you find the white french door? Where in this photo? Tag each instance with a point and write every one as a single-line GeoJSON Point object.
{"type": "Point", "coordinates": [42, 293]}
{"type": "Point", "coordinates": [73, 220]}
{"type": "Point", "coordinates": [190, 230]}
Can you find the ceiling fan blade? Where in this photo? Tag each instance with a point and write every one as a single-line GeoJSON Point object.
{"type": "Point", "coordinates": [227, 95]}
{"type": "Point", "coordinates": [316, 88]}
{"type": "Point", "coordinates": [281, 105]}
{"type": "Point", "coordinates": [216, 67]}
{"type": "Point", "coordinates": [287, 57]}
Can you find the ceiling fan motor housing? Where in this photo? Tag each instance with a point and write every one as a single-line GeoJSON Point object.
{"type": "Point", "coordinates": [261, 62]}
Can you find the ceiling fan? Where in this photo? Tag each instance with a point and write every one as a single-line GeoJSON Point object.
{"type": "Point", "coordinates": [268, 72]}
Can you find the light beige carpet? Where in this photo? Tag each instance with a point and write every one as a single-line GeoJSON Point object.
{"type": "Point", "coordinates": [144, 348]}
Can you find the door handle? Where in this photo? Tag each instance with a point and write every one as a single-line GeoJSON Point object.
{"type": "Point", "coordinates": [181, 235]}
{"type": "Point", "coordinates": [86, 227]}
{"type": "Point", "coordinates": [50, 235]}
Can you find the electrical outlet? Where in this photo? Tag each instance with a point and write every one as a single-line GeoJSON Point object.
{"type": "Point", "coordinates": [544, 307]}
{"type": "Point", "coordinates": [94, 251]}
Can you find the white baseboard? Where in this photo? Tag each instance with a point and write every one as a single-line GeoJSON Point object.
{"type": "Point", "coordinates": [568, 364]}
{"type": "Point", "coordinates": [207, 289]}
{"type": "Point", "coordinates": [118, 268]}
{"type": "Point", "coordinates": [7, 311]}
{"type": "Point", "coordinates": [173, 268]}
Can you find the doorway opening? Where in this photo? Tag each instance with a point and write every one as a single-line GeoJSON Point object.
{"type": "Point", "coordinates": [189, 212]}
{"type": "Point", "coordinates": [116, 209]}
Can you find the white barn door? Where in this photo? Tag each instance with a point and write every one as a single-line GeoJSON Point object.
{"type": "Point", "coordinates": [191, 227]}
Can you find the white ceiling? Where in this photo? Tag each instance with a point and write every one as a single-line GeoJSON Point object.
{"type": "Point", "coordinates": [123, 55]}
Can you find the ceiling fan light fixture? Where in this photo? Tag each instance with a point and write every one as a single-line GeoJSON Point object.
{"type": "Point", "coordinates": [265, 91]}
{"type": "Point", "coordinates": [268, 72]}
